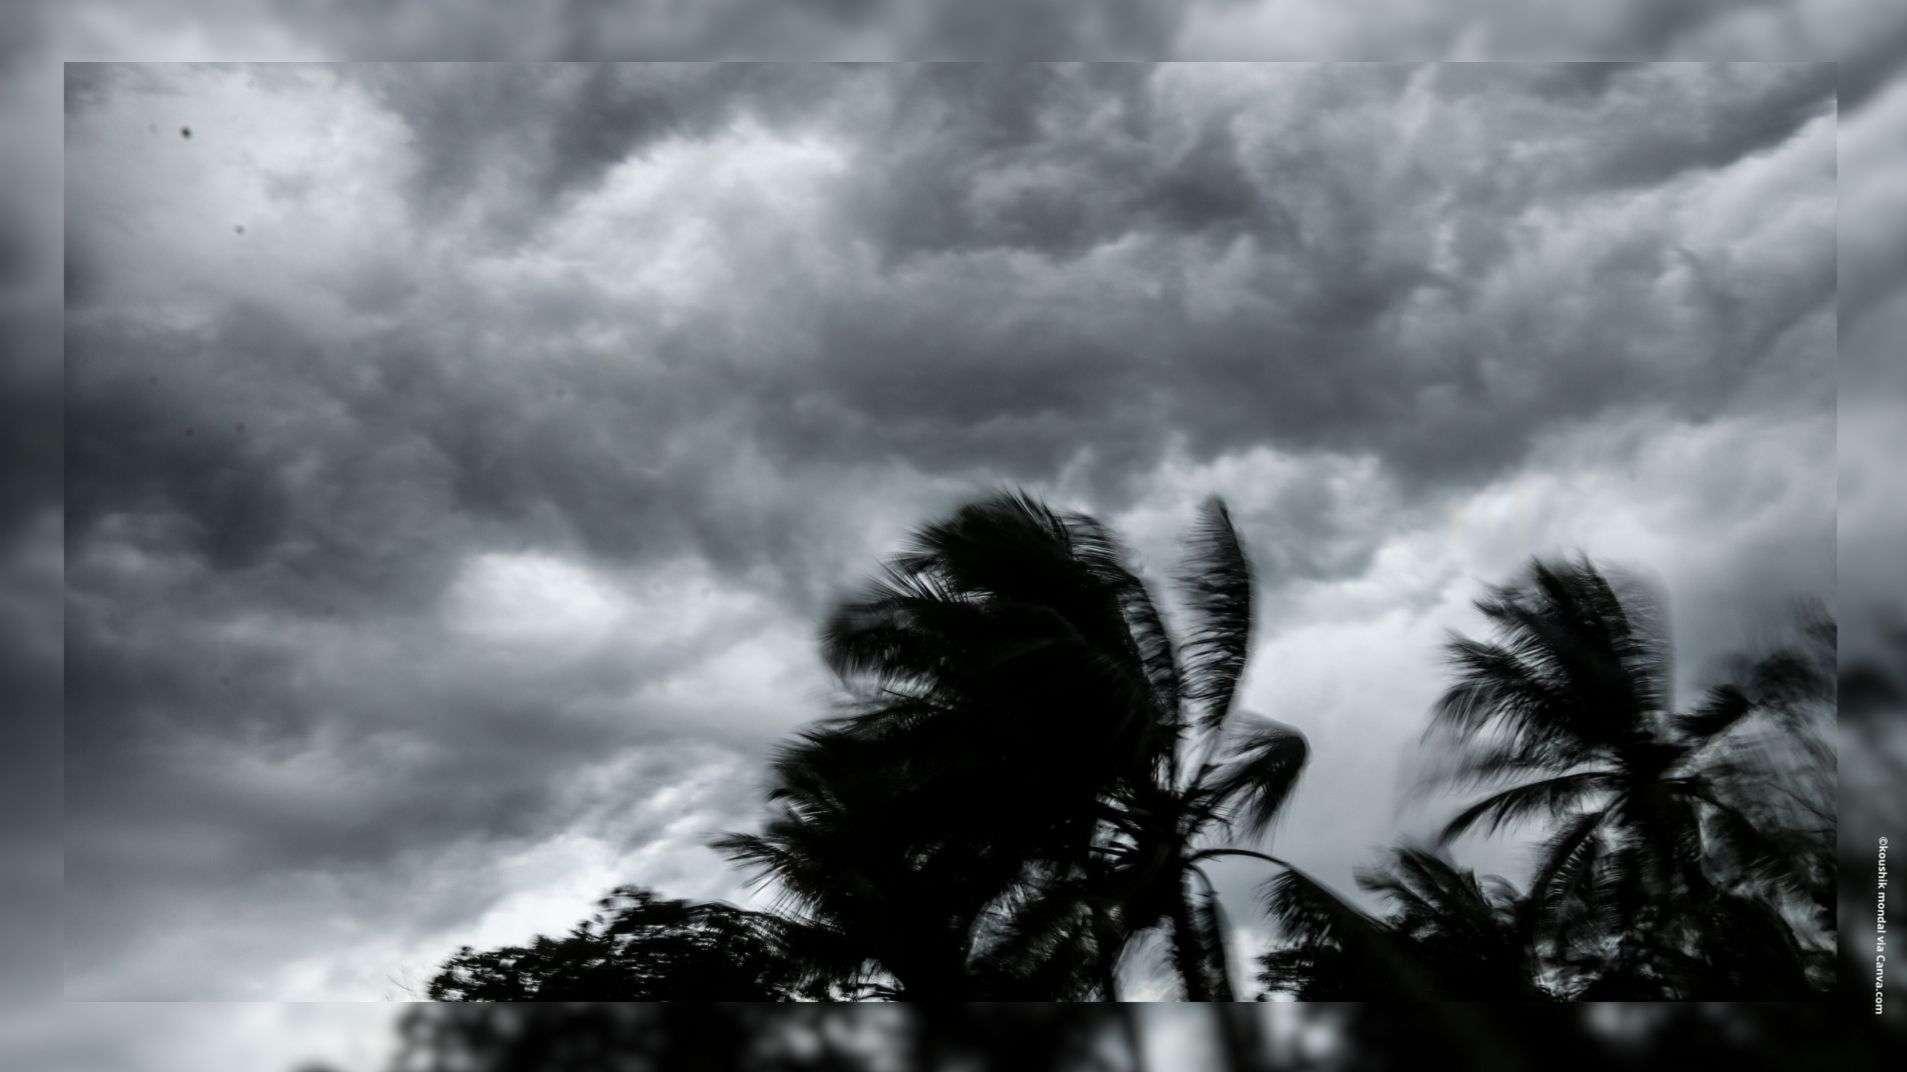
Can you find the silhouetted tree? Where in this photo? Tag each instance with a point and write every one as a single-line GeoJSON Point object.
{"type": "Point", "coordinates": [716, 1037]}
{"type": "Point", "coordinates": [1449, 936]}
{"type": "Point", "coordinates": [1031, 772]}
{"type": "Point", "coordinates": [1654, 853]}
{"type": "Point", "coordinates": [897, 890]}
{"type": "Point", "coordinates": [636, 947]}
{"type": "Point", "coordinates": [1495, 1037]}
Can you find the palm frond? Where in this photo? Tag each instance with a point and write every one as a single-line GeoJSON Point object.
{"type": "Point", "coordinates": [1721, 710]}
{"type": "Point", "coordinates": [1218, 587]}
{"type": "Point", "coordinates": [1578, 667]}
{"type": "Point", "coordinates": [1567, 854]}
{"type": "Point", "coordinates": [1259, 776]}
{"type": "Point", "coordinates": [1307, 912]}
{"type": "Point", "coordinates": [1551, 797]}
{"type": "Point", "coordinates": [1331, 950]}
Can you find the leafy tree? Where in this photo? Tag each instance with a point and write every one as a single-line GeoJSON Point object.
{"type": "Point", "coordinates": [636, 947]}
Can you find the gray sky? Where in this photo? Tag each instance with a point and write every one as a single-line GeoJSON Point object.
{"type": "Point", "coordinates": [445, 546]}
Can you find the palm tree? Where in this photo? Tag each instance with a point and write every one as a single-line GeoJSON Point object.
{"type": "Point", "coordinates": [1029, 762]}
{"type": "Point", "coordinates": [1449, 936]}
{"type": "Point", "coordinates": [1469, 930]}
{"type": "Point", "coordinates": [890, 888]}
{"type": "Point", "coordinates": [1567, 713]}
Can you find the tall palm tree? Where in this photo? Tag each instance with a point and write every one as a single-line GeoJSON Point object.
{"type": "Point", "coordinates": [1029, 741]}
{"type": "Point", "coordinates": [1567, 714]}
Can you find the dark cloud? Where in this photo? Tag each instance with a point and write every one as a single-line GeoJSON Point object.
{"type": "Point", "coordinates": [856, 29]}
{"type": "Point", "coordinates": [1668, 122]}
{"type": "Point", "coordinates": [519, 139]}
{"type": "Point", "coordinates": [1336, 247]}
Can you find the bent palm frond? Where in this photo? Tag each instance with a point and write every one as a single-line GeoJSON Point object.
{"type": "Point", "coordinates": [1552, 797]}
{"type": "Point", "coordinates": [1264, 767]}
{"type": "Point", "coordinates": [1218, 581]}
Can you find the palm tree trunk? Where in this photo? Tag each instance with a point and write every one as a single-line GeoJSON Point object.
{"type": "Point", "coordinates": [1188, 951]}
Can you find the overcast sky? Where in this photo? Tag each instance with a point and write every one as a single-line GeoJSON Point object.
{"type": "Point", "coordinates": [460, 457]}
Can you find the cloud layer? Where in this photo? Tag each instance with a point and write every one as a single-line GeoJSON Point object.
{"type": "Point", "coordinates": [459, 457]}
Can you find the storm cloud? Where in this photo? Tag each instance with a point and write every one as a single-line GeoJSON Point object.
{"type": "Point", "coordinates": [459, 457]}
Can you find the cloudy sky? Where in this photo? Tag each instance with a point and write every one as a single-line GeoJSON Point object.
{"type": "Point", "coordinates": [459, 457]}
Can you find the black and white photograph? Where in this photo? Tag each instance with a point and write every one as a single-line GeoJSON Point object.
{"type": "Point", "coordinates": [1251, 563]}
{"type": "Point", "coordinates": [950, 532]}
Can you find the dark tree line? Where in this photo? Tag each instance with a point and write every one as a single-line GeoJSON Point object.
{"type": "Point", "coordinates": [1500, 1037]}
{"type": "Point", "coordinates": [637, 947]}
{"type": "Point", "coordinates": [1033, 772]}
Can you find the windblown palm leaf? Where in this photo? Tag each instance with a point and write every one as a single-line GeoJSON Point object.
{"type": "Point", "coordinates": [1218, 584]}
{"type": "Point", "coordinates": [1259, 776]}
